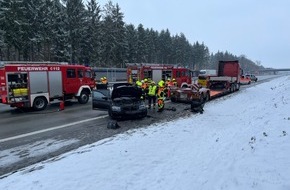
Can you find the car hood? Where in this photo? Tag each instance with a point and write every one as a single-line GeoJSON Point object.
{"type": "Point", "coordinates": [127, 91]}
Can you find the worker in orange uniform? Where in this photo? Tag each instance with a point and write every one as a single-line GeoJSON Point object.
{"type": "Point", "coordinates": [104, 82]}
{"type": "Point", "coordinates": [152, 90]}
{"type": "Point", "coordinates": [169, 85]}
{"type": "Point", "coordinates": [167, 82]}
{"type": "Point", "coordinates": [145, 87]}
{"type": "Point", "coordinates": [160, 95]}
{"type": "Point", "coordinates": [174, 82]}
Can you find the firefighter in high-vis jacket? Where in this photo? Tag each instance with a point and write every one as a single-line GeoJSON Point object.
{"type": "Point", "coordinates": [168, 85]}
{"type": "Point", "coordinates": [138, 83]}
{"type": "Point", "coordinates": [174, 82]}
{"type": "Point", "coordinates": [104, 80]}
{"type": "Point", "coordinates": [152, 90]}
{"type": "Point", "coordinates": [145, 87]}
{"type": "Point", "coordinates": [160, 95]}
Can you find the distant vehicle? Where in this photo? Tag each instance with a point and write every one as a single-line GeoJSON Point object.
{"type": "Point", "coordinates": [122, 102]}
{"type": "Point", "coordinates": [252, 77]}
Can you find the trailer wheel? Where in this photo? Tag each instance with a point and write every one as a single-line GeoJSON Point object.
{"type": "Point", "coordinates": [83, 98]}
{"type": "Point", "coordinates": [233, 88]}
{"type": "Point", "coordinates": [40, 103]}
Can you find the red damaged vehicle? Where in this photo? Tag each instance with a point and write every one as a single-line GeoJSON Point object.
{"type": "Point", "coordinates": [193, 92]}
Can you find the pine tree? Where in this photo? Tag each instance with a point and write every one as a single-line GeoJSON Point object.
{"type": "Point", "coordinates": [11, 24]}
{"type": "Point", "coordinates": [92, 41]}
{"type": "Point", "coordinates": [165, 47]}
{"type": "Point", "coordinates": [141, 45]}
{"type": "Point", "coordinates": [152, 38]}
{"type": "Point", "coordinates": [76, 28]}
{"type": "Point", "coordinates": [131, 38]}
{"type": "Point", "coordinates": [60, 47]}
{"type": "Point", "coordinates": [119, 32]}
{"type": "Point", "coordinates": [113, 36]}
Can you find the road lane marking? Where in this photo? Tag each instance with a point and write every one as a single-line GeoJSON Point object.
{"type": "Point", "coordinates": [51, 129]}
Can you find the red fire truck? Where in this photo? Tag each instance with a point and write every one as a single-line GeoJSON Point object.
{"type": "Point", "coordinates": [36, 84]}
{"type": "Point", "coordinates": [156, 72]}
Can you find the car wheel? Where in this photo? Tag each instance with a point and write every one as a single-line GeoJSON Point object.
{"type": "Point", "coordinates": [173, 99]}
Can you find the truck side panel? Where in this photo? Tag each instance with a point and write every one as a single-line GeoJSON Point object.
{"type": "Point", "coordinates": [55, 84]}
{"type": "Point", "coordinates": [156, 75]}
{"type": "Point", "coordinates": [38, 82]}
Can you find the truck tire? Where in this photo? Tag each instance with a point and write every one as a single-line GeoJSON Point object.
{"type": "Point", "coordinates": [207, 97]}
{"type": "Point", "coordinates": [83, 98]}
{"type": "Point", "coordinates": [40, 103]}
{"type": "Point", "coordinates": [237, 86]}
{"type": "Point", "coordinates": [233, 88]}
{"type": "Point", "coordinates": [202, 98]}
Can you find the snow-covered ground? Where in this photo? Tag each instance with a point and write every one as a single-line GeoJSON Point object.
{"type": "Point", "coordinates": [242, 141]}
{"type": "Point", "coordinates": [13, 155]}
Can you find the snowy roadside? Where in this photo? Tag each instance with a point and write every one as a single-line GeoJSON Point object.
{"type": "Point", "coordinates": [14, 155]}
{"type": "Point", "coordinates": [240, 142]}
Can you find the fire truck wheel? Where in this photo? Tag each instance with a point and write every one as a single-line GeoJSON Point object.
{"type": "Point", "coordinates": [83, 98]}
{"type": "Point", "coordinates": [40, 103]}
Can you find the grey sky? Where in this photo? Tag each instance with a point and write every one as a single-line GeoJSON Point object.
{"type": "Point", "coordinates": [259, 29]}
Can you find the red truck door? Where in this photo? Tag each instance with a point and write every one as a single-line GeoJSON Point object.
{"type": "Point", "coordinates": [70, 80]}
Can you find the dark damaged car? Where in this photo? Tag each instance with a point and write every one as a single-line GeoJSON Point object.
{"type": "Point", "coordinates": [123, 101]}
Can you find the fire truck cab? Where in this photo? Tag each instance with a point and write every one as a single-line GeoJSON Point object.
{"type": "Point", "coordinates": [156, 72]}
{"type": "Point", "coordinates": [36, 84]}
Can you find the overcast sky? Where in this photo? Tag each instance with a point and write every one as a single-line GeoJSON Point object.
{"type": "Point", "coordinates": [259, 29]}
